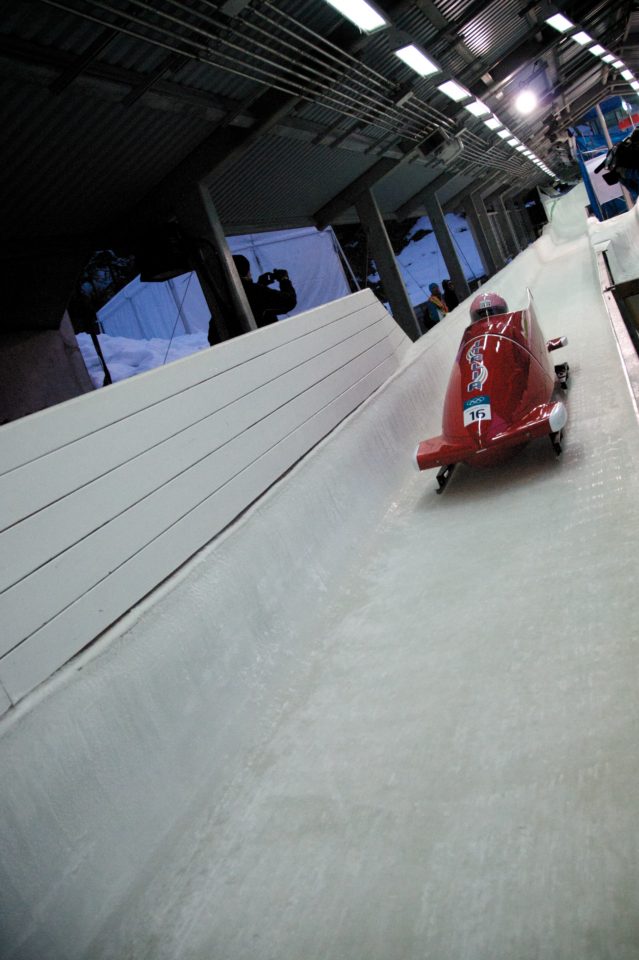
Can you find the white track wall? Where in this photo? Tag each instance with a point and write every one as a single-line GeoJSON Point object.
{"type": "Point", "coordinates": [174, 708]}
{"type": "Point", "coordinates": [101, 499]}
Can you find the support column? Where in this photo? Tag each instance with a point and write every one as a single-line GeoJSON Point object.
{"type": "Point", "coordinates": [458, 200]}
{"type": "Point", "coordinates": [446, 244]}
{"type": "Point", "coordinates": [221, 285]}
{"type": "Point", "coordinates": [515, 219]}
{"type": "Point", "coordinates": [509, 227]}
{"type": "Point", "coordinates": [495, 226]}
{"type": "Point", "coordinates": [380, 245]}
{"type": "Point", "coordinates": [606, 133]}
{"type": "Point", "coordinates": [509, 237]}
{"type": "Point", "coordinates": [528, 228]}
{"type": "Point", "coordinates": [484, 235]}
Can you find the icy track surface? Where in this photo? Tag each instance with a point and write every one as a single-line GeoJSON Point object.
{"type": "Point", "coordinates": [458, 777]}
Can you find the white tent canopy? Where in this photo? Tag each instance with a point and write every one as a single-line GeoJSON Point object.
{"type": "Point", "coordinates": [144, 311]}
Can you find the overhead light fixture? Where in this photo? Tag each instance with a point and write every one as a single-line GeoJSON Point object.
{"type": "Point", "coordinates": [504, 134]}
{"type": "Point", "coordinates": [618, 64]}
{"type": "Point", "coordinates": [582, 38]}
{"type": "Point", "coordinates": [628, 75]}
{"type": "Point", "coordinates": [559, 22]}
{"type": "Point", "coordinates": [494, 123]}
{"type": "Point", "coordinates": [598, 50]}
{"type": "Point", "coordinates": [417, 60]}
{"type": "Point", "coordinates": [526, 101]}
{"type": "Point", "coordinates": [635, 85]}
{"type": "Point", "coordinates": [608, 58]}
{"type": "Point", "coordinates": [363, 14]}
{"type": "Point", "coordinates": [521, 148]}
{"type": "Point", "coordinates": [513, 142]}
{"type": "Point", "coordinates": [477, 108]}
{"type": "Point", "coordinates": [454, 90]}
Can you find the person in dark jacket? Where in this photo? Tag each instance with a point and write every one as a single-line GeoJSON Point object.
{"type": "Point", "coordinates": [266, 303]}
{"type": "Point", "coordinates": [450, 297]}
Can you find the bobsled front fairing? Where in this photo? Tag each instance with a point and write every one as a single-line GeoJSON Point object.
{"type": "Point", "coordinates": [500, 393]}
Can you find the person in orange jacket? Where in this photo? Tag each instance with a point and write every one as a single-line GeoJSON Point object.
{"type": "Point", "coordinates": [435, 305]}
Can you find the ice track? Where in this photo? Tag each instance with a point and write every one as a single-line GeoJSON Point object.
{"type": "Point", "coordinates": [450, 771]}
{"type": "Point", "coordinates": [457, 776]}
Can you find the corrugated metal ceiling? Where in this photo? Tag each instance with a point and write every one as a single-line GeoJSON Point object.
{"type": "Point", "coordinates": [81, 157]}
{"type": "Point", "coordinates": [296, 180]}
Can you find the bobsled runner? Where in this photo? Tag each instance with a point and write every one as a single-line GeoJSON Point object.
{"type": "Point", "coordinates": [502, 390]}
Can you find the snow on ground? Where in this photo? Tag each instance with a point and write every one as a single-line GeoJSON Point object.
{"type": "Point", "coordinates": [126, 357]}
{"type": "Point", "coordinates": [422, 263]}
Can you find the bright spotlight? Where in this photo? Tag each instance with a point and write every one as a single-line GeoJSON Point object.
{"type": "Point", "coordinates": [526, 101]}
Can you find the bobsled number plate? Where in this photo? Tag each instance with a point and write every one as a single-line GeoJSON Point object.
{"type": "Point", "coordinates": [476, 409]}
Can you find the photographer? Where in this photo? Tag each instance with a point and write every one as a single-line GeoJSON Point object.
{"type": "Point", "coordinates": [265, 303]}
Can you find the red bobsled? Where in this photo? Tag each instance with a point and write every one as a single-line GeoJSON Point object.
{"type": "Point", "coordinates": [501, 392]}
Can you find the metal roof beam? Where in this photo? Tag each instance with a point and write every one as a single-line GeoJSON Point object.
{"type": "Point", "coordinates": [350, 195]}
{"type": "Point", "coordinates": [210, 158]}
{"type": "Point", "coordinates": [459, 198]}
{"type": "Point", "coordinates": [410, 206]}
{"type": "Point", "coordinates": [172, 62]}
{"type": "Point", "coordinates": [220, 150]}
{"type": "Point", "coordinates": [36, 59]}
{"type": "Point", "coordinates": [71, 72]}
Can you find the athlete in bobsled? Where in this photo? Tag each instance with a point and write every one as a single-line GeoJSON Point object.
{"type": "Point", "coordinates": [501, 392]}
{"type": "Point", "coordinates": [487, 305]}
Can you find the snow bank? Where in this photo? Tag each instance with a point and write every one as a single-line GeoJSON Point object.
{"type": "Point", "coordinates": [126, 357]}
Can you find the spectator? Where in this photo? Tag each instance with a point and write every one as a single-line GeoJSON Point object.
{"type": "Point", "coordinates": [450, 297]}
{"type": "Point", "coordinates": [266, 303]}
{"type": "Point", "coordinates": [435, 306]}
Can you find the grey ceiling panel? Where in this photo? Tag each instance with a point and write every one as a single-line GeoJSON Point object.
{"type": "Point", "coordinates": [283, 182]}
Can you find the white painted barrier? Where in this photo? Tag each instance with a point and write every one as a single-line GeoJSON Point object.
{"type": "Point", "coordinates": [104, 497]}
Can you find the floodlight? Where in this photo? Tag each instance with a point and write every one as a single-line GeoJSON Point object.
{"type": "Point", "coordinates": [635, 85]}
{"type": "Point", "coordinates": [513, 142]}
{"type": "Point", "coordinates": [364, 15]}
{"type": "Point", "coordinates": [618, 64]}
{"type": "Point", "coordinates": [598, 50]}
{"type": "Point", "coordinates": [493, 123]}
{"type": "Point", "coordinates": [417, 60]}
{"type": "Point", "coordinates": [628, 75]}
{"type": "Point", "coordinates": [582, 38]}
{"type": "Point", "coordinates": [520, 148]}
{"type": "Point", "coordinates": [559, 22]}
{"type": "Point", "coordinates": [526, 101]}
{"type": "Point", "coordinates": [477, 108]}
{"type": "Point", "coordinates": [504, 134]}
{"type": "Point", "coordinates": [454, 90]}
{"type": "Point", "coordinates": [608, 58]}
